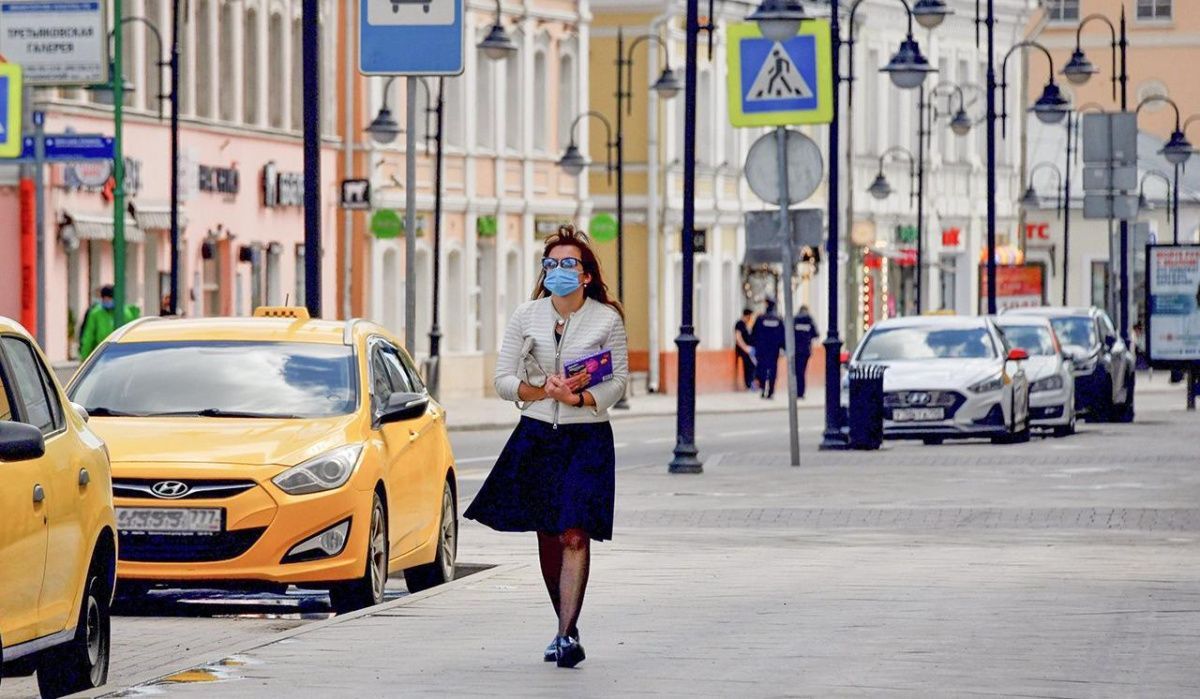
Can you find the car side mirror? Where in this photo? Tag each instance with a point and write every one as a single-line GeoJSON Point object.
{"type": "Point", "coordinates": [81, 412]}
{"type": "Point", "coordinates": [403, 406]}
{"type": "Point", "coordinates": [1017, 354]}
{"type": "Point", "coordinates": [20, 442]}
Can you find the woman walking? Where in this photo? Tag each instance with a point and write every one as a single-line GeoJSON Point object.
{"type": "Point", "coordinates": [556, 474]}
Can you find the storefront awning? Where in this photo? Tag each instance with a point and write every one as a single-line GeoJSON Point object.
{"type": "Point", "coordinates": [156, 217]}
{"type": "Point", "coordinates": [78, 227]}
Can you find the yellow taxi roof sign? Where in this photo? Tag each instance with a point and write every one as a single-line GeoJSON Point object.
{"type": "Point", "coordinates": [295, 312]}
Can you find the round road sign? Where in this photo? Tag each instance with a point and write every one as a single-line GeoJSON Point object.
{"type": "Point", "coordinates": [805, 167]}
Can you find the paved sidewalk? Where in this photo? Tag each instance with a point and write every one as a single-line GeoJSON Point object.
{"type": "Point", "coordinates": [1062, 567]}
{"type": "Point", "coordinates": [492, 413]}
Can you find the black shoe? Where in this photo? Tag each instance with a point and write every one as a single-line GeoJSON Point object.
{"type": "Point", "coordinates": [551, 653]}
{"type": "Point", "coordinates": [569, 652]}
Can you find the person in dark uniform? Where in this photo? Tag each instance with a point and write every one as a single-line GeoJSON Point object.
{"type": "Point", "coordinates": [805, 329]}
{"type": "Point", "coordinates": [768, 340]}
{"type": "Point", "coordinates": [743, 348]}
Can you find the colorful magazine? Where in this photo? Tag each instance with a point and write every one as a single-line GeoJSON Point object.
{"type": "Point", "coordinates": [598, 366]}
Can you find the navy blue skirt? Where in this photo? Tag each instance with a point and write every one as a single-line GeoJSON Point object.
{"type": "Point", "coordinates": [551, 480]}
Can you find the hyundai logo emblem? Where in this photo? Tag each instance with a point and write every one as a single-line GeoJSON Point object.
{"type": "Point", "coordinates": [170, 490]}
{"type": "Point", "coordinates": [919, 398]}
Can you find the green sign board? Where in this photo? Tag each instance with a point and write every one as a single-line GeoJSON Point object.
{"type": "Point", "coordinates": [603, 228]}
{"type": "Point", "coordinates": [906, 234]}
{"type": "Point", "coordinates": [386, 224]}
{"type": "Point", "coordinates": [486, 226]}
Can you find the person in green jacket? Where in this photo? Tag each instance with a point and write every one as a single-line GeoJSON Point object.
{"type": "Point", "coordinates": [101, 320]}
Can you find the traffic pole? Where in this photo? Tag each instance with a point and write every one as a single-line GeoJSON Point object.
{"type": "Point", "coordinates": [118, 246]}
{"type": "Point", "coordinates": [789, 265]}
{"type": "Point", "coordinates": [310, 51]}
{"type": "Point", "coordinates": [39, 220]}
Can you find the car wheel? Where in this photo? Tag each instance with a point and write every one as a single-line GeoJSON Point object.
{"type": "Point", "coordinates": [81, 663]}
{"type": "Point", "coordinates": [1066, 430]}
{"type": "Point", "coordinates": [932, 441]}
{"type": "Point", "coordinates": [367, 590]}
{"type": "Point", "coordinates": [441, 570]}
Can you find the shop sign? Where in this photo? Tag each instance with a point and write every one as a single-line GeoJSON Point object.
{"type": "Point", "coordinates": [386, 224]}
{"type": "Point", "coordinates": [546, 226]}
{"type": "Point", "coordinates": [56, 42]}
{"type": "Point", "coordinates": [906, 234]}
{"type": "Point", "coordinates": [220, 180]}
{"type": "Point", "coordinates": [281, 188]}
{"type": "Point", "coordinates": [1017, 286]}
{"type": "Point", "coordinates": [87, 175]}
{"type": "Point", "coordinates": [1037, 234]}
{"type": "Point", "coordinates": [952, 238]}
{"type": "Point", "coordinates": [603, 228]}
{"type": "Point", "coordinates": [1173, 333]}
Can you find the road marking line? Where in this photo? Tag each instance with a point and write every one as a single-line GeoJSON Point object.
{"type": "Point", "coordinates": [742, 433]}
{"type": "Point", "coordinates": [620, 445]}
{"type": "Point", "coordinates": [660, 440]}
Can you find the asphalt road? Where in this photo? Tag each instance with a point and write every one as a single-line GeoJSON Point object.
{"type": "Point", "coordinates": [179, 624]}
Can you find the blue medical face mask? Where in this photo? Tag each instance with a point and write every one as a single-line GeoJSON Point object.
{"type": "Point", "coordinates": [561, 282]}
{"type": "Point", "coordinates": [108, 304]}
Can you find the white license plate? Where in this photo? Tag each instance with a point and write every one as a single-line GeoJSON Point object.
{"type": "Point", "coordinates": [917, 414]}
{"type": "Point", "coordinates": [168, 519]}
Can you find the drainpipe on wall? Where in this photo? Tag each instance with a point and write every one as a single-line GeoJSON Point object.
{"type": "Point", "coordinates": [653, 213]}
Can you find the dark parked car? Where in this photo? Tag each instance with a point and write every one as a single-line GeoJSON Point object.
{"type": "Point", "coordinates": [1103, 363]}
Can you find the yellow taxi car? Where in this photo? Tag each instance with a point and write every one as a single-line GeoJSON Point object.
{"type": "Point", "coordinates": [57, 528]}
{"type": "Point", "coordinates": [274, 450]}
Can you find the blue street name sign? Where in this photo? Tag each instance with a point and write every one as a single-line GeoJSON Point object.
{"type": "Point", "coordinates": [70, 147]}
{"type": "Point", "coordinates": [410, 37]}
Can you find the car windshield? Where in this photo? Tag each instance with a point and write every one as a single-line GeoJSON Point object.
{"type": "Point", "coordinates": [1076, 330]}
{"type": "Point", "coordinates": [927, 343]}
{"type": "Point", "coordinates": [220, 379]}
{"type": "Point", "coordinates": [1034, 339]}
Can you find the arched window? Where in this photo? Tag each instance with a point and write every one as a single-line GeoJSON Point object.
{"type": "Point", "coordinates": [297, 80]}
{"type": "Point", "coordinates": [250, 69]}
{"type": "Point", "coordinates": [203, 60]}
{"type": "Point", "coordinates": [229, 60]}
{"type": "Point", "coordinates": [513, 103]}
{"type": "Point", "coordinates": [568, 103]}
{"type": "Point", "coordinates": [541, 106]}
{"type": "Point", "coordinates": [278, 86]}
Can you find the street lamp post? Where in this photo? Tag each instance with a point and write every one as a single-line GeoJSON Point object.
{"type": "Point", "coordinates": [1078, 70]}
{"type": "Point", "coordinates": [1050, 108]}
{"type": "Point", "coordinates": [1177, 151]}
{"type": "Point", "coordinates": [927, 115]}
{"type": "Point", "coordinates": [1172, 209]}
{"type": "Point", "coordinates": [384, 129]}
{"type": "Point", "coordinates": [1062, 203]}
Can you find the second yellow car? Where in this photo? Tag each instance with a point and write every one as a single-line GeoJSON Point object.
{"type": "Point", "coordinates": [274, 450]}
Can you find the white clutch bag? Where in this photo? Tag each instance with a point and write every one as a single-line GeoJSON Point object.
{"type": "Point", "coordinates": [529, 370]}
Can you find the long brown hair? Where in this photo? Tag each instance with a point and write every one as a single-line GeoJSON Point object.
{"type": "Point", "coordinates": [596, 288]}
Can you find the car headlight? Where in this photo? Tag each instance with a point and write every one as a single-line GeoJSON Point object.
{"type": "Point", "coordinates": [1050, 383]}
{"type": "Point", "coordinates": [987, 386]}
{"type": "Point", "coordinates": [325, 472]}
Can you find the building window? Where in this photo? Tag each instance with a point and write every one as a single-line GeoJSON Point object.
{"type": "Point", "coordinates": [278, 94]}
{"type": "Point", "coordinates": [1154, 9]}
{"type": "Point", "coordinates": [203, 61]}
{"type": "Point", "coordinates": [297, 81]}
{"type": "Point", "coordinates": [1062, 10]}
{"type": "Point", "coordinates": [513, 122]}
{"type": "Point", "coordinates": [274, 281]}
{"type": "Point", "coordinates": [484, 108]}
{"type": "Point", "coordinates": [567, 106]}
{"type": "Point", "coordinates": [229, 63]}
{"type": "Point", "coordinates": [541, 104]}
{"type": "Point", "coordinates": [250, 72]}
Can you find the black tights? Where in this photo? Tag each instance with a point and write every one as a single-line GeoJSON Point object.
{"type": "Point", "coordinates": [565, 560]}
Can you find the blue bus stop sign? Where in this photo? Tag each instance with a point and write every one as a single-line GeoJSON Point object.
{"type": "Point", "coordinates": [410, 37]}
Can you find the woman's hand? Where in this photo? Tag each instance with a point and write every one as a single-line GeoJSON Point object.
{"type": "Point", "coordinates": [565, 390]}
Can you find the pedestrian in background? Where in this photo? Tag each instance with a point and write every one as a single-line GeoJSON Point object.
{"type": "Point", "coordinates": [742, 347]}
{"type": "Point", "coordinates": [101, 320]}
{"type": "Point", "coordinates": [805, 329]}
{"type": "Point", "coordinates": [768, 340]}
{"type": "Point", "coordinates": [556, 475]}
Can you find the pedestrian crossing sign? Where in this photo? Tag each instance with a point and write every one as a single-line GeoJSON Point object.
{"type": "Point", "coordinates": [777, 83]}
{"type": "Point", "coordinates": [11, 138]}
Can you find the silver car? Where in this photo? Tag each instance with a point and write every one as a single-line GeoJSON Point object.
{"type": "Point", "coordinates": [1051, 381]}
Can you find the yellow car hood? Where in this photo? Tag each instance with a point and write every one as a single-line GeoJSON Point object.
{"type": "Point", "coordinates": [250, 442]}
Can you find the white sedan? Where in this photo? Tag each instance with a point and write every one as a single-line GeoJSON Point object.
{"type": "Point", "coordinates": [948, 378]}
{"type": "Point", "coordinates": [1051, 382]}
